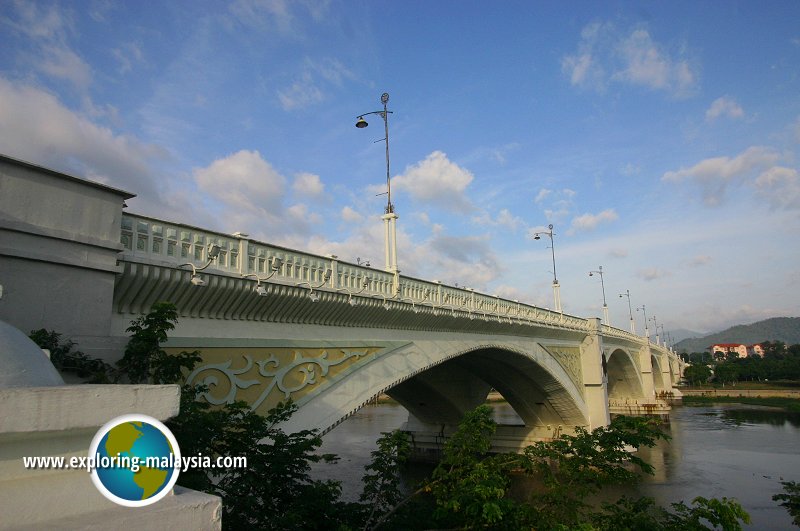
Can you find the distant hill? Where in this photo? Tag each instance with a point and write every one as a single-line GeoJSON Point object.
{"type": "Point", "coordinates": [679, 334]}
{"type": "Point", "coordinates": [786, 329]}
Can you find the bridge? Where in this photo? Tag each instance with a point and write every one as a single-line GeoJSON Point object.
{"type": "Point", "coordinates": [273, 323]}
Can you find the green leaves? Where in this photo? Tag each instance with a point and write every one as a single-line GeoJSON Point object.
{"type": "Point", "coordinates": [144, 360]}
{"type": "Point", "coordinates": [64, 358]}
{"type": "Point", "coordinates": [790, 499]}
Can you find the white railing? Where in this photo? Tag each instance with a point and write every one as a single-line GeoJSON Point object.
{"type": "Point", "coordinates": [152, 240]}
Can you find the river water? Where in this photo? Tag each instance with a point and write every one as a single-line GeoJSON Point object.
{"type": "Point", "coordinates": [730, 450]}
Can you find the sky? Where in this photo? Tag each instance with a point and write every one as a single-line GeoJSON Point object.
{"type": "Point", "coordinates": [660, 139]}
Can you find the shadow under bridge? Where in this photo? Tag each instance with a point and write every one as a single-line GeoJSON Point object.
{"type": "Point", "coordinates": [547, 397]}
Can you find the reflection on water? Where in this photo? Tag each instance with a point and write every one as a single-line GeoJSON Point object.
{"type": "Point", "coordinates": [774, 417]}
{"type": "Point", "coordinates": [741, 452]}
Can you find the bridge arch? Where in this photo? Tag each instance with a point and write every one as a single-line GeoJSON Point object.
{"type": "Point", "coordinates": [624, 378]}
{"type": "Point", "coordinates": [658, 377]}
{"type": "Point", "coordinates": [437, 382]}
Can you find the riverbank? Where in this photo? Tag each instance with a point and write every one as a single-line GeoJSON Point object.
{"type": "Point", "coordinates": [787, 403]}
{"type": "Point", "coordinates": [735, 391]}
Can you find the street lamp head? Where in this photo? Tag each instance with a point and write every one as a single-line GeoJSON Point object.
{"type": "Point", "coordinates": [361, 123]}
{"type": "Point", "coordinates": [537, 237]}
{"type": "Point", "coordinates": [591, 274]}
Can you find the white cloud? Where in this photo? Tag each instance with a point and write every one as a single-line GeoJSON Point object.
{"type": "Point", "coordinates": [49, 24]}
{"type": "Point", "coordinates": [300, 94]}
{"type": "Point", "coordinates": [604, 55]}
{"type": "Point", "coordinates": [543, 193]}
{"type": "Point", "coordinates": [724, 106]}
{"type": "Point", "coordinates": [38, 128]}
{"type": "Point", "coordinates": [309, 87]}
{"type": "Point", "coordinates": [583, 68]}
{"type": "Point", "coordinates": [652, 273]}
{"type": "Point", "coordinates": [588, 221]}
{"type": "Point", "coordinates": [48, 30]}
{"type": "Point", "coordinates": [126, 55]}
{"type": "Point", "coordinates": [780, 187]}
{"type": "Point", "coordinates": [437, 180]}
{"type": "Point", "coordinates": [308, 184]}
{"type": "Point", "coordinates": [700, 260]}
{"type": "Point", "coordinates": [561, 203]}
{"type": "Point", "coordinates": [645, 63]}
{"type": "Point", "coordinates": [714, 174]}
{"type": "Point", "coordinates": [618, 253]}
{"type": "Point", "coordinates": [330, 69]}
{"type": "Point", "coordinates": [61, 62]}
{"type": "Point", "coordinates": [267, 14]}
{"type": "Point", "coordinates": [243, 181]}
{"type": "Point", "coordinates": [504, 218]}
{"type": "Point", "coordinates": [351, 216]}
{"type": "Point", "coordinates": [630, 170]}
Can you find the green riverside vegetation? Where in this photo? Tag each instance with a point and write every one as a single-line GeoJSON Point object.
{"type": "Point", "coordinates": [468, 489]}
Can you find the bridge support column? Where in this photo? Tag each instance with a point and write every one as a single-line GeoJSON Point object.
{"type": "Point", "coordinates": [595, 382]}
{"type": "Point", "coordinates": [390, 248]}
{"type": "Point", "coordinates": [646, 364]}
{"type": "Point", "coordinates": [666, 372]}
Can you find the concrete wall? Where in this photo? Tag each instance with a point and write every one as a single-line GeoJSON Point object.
{"type": "Point", "coordinates": [59, 240]}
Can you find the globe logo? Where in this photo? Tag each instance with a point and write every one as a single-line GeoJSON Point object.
{"type": "Point", "coordinates": [136, 460]}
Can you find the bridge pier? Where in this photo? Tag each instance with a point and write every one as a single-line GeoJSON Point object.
{"type": "Point", "coordinates": [595, 382]}
{"type": "Point", "coordinates": [428, 440]}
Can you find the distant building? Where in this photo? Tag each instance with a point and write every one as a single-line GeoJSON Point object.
{"type": "Point", "coordinates": [740, 349]}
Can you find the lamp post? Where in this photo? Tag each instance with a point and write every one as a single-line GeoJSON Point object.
{"type": "Point", "coordinates": [389, 217]}
{"type": "Point", "coordinates": [603, 286]}
{"type": "Point", "coordinates": [556, 286]}
{"type": "Point", "coordinates": [655, 325]}
{"type": "Point", "coordinates": [630, 310]}
{"type": "Point", "coordinates": [646, 329]}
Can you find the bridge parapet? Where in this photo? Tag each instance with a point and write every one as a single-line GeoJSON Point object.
{"type": "Point", "coordinates": [153, 241]}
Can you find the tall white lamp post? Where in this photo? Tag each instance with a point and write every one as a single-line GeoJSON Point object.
{"type": "Point", "coordinates": [646, 328]}
{"type": "Point", "coordinates": [556, 286]}
{"type": "Point", "coordinates": [389, 217]}
{"type": "Point", "coordinates": [603, 286]}
{"type": "Point", "coordinates": [630, 310]}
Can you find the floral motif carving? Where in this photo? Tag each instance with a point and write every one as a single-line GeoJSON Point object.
{"type": "Point", "coordinates": [570, 360]}
{"type": "Point", "coordinates": [291, 375]}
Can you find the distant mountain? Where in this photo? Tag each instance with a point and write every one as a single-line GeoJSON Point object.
{"type": "Point", "coordinates": [680, 334]}
{"type": "Point", "coordinates": [786, 329]}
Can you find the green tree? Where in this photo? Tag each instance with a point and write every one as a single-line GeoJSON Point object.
{"type": "Point", "coordinates": [573, 467]}
{"type": "Point", "coordinates": [726, 372]}
{"type": "Point", "coordinates": [469, 489]}
{"type": "Point", "coordinates": [790, 499]}
{"type": "Point", "coordinates": [65, 358]}
{"type": "Point", "coordinates": [275, 491]}
{"type": "Point", "coordinates": [697, 373]}
{"type": "Point", "coordinates": [381, 482]}
{"type": "Point", "coordinates": [144, 360]}
{"type": "Point", "coordinates": [643, 513]}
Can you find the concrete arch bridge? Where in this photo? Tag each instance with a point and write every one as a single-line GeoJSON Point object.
{"type": "Point", "coordinates": [273, 323]}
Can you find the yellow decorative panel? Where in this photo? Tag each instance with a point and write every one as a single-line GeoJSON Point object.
{"type": "Point", "coordinates": [570, 360]}
{"type": "Point", "coordinates": [263, 377]}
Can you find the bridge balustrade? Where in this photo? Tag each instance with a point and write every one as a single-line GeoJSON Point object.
{"type": "Point", "coordinates": [152, 240]}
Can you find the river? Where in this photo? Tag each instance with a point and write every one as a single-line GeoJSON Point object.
{"type": "Point", "coordinates": [729, 450]}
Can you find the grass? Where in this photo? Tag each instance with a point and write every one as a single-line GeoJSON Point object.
{"type": "Point", "coordinates": [777, 384]}
{"type": "Point", "coordinates": [789, 404]}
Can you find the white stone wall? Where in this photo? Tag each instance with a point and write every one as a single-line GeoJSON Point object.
{"type": "Point", "coordinates": [59, 240]}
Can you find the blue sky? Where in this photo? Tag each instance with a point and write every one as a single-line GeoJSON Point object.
{"type": "Point", "coordinates": [661, 139]}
